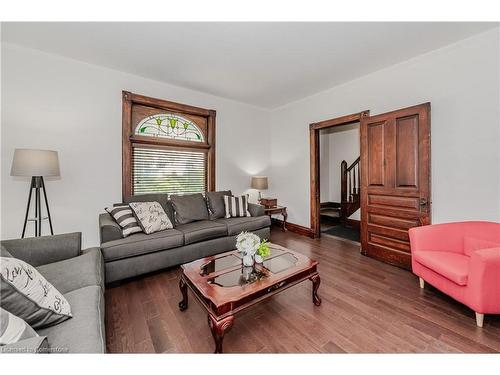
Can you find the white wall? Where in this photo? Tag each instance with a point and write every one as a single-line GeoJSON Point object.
{"type": "Point", "coordinates": [51, 102]}
{"type": "Point", "coordinates": [462, 83]}
{"type": "Point", "coordinates": [56, 103]}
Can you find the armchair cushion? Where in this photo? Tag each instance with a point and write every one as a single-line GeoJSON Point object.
{"type": "Point", "coordinates": [472, 244]}
{"type": "Point", "coordinates": [453, 266]}
{"type": "Point", "coordinates": [75, 273]}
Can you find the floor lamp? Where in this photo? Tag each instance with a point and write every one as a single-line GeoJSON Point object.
{"type": "Point", "coordinates": [36, 164]}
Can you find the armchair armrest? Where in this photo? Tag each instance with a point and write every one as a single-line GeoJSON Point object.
{"type": "Point", "coordinates": [484, 280]}
{"type": "Point", "coordinates": [256, 209]}
{"type": "Point", "coordinates": [109, 229]}
{"type": "Point", "coordinates": [46, 249]}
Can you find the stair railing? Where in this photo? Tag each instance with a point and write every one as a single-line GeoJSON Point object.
{"type": "Point", "coordinates": [349, 180]}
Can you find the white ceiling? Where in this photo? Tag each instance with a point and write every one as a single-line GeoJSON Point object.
{"type": "Point", "coordinates": [264, 64]}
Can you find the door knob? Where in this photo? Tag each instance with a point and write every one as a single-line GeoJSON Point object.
{"type": "Point", "coordinates": [423, 202]}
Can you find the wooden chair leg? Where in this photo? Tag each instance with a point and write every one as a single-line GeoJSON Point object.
{"type": "Point", "coordinates": [479, 319]}
{"type": "Point", "coordinates": [422, 282]}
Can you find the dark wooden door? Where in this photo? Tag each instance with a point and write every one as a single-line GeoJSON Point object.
{"type": "Point", "coordinates": [395, 181]}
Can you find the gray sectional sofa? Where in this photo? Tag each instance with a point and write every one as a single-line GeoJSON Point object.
{"type": "Point", "coordinates": [79, 275]}
{"type": "Point", "coordinates": [142, 253]}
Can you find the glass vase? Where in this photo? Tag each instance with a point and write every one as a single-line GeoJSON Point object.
{"type": "Point", "coordinates": [248, 260]}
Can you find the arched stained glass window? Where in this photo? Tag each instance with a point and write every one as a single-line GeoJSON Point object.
{"type": "Point", "coordinates": [169, 126]}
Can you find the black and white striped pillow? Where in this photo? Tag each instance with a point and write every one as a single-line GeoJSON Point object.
{"type": "Point", "coordinates": [125, 218]}
{"type": "Point", "coordinates": [236, 206]}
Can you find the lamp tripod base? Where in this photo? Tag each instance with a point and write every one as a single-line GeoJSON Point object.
{"type": "Point", "coordinates": [37, 184]}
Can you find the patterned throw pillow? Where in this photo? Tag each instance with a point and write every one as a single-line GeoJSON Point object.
{"type": "Point", "coordinates": [151, 215]}
{"type": "Point", "coordinates": [125, 218]}
{"type": "Point", "coordinates": [25, 293]}
{"type": "Point", "coordinates": [13, 328]}
{"type": "Point", "coordinates": [236, 206]}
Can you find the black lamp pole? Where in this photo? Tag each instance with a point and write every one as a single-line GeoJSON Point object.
{"type": "Point", "coordinates": [37, 184]}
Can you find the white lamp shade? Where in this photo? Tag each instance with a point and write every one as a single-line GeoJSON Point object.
{"type": "Point", "coordinates": [27, 162]}
{"type": "Point", "coordinates": [259, 182]}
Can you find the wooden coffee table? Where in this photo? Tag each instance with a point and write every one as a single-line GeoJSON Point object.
{"type": "Point", "coordinates": [225, 287]}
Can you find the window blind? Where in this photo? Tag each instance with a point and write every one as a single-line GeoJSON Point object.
{"type": "Point", "coordinates": [168, 171]}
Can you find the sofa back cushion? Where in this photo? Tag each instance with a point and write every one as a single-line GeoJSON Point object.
{"type": "Point", "coordinates": [161, 198]}
{"type": "Point", "coordinates": [215, 201]}
{"type": "Point", "coordinates": [188, 208]}
{"type": "Point", "coordinates": [472, 244]}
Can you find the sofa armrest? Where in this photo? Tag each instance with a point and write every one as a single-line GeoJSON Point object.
{"type": "Point", "coordinates": [46, 249]}
{"type": "Point", "coordinates": [109, 229]}
{"type": "Point", "coordinates": [33, 345]}
{"type": "Point", "coordinates": [483, 285]}
{"type": "Point", "coordinates": [256, 209]}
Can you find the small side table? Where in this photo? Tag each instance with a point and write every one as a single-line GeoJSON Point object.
{"type": "Point", "coordinates": [278, 210]}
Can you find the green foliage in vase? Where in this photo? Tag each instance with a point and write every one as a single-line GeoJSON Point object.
{"type": "Point", "coordinates": [264, 250]}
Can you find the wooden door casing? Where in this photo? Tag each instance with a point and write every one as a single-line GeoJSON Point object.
{"type": "Point", "coordinates": [395, 181]}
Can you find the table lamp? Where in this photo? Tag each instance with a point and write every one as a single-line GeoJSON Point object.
{"type": "Point", "coordinates": [259, 183]}
{"type": "Point", "coordinates": [36, 164]}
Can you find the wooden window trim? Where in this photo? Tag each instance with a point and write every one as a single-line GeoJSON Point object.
{"type": "Point", "coordinates": [129, 138]}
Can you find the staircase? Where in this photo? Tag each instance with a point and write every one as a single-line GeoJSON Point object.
{"type": "Point", "coordinates": [349, 189]}
{"type": "Point", "coordinates": [349, 193]}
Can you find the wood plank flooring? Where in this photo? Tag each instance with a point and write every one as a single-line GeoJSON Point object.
{"type": "Point", "coordinates": [368, 307]}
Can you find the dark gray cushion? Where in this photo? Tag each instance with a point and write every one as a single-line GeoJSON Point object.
{"type": "Point", "coordinates": [256, 209]}
{"type": "Point", "coordinates": [84, 332]}
{"type": "Point", "coordinates": [188, 208]}
{"type": "Point", "coordinates": [74, 273]}
{"type": "Point", "coordinates": [161, 198]}
{"type": "Point", "coordinates": [216, 203]}
{"type": "Point", "coordinates": [201, 231]}
{"type": "Point", "coordinates": [141, 243]}
{"type": "Point", "coordinates": [236, 225]}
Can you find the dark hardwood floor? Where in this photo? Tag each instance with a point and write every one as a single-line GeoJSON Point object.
{"type": "Point", "coordinates": [368, 307]}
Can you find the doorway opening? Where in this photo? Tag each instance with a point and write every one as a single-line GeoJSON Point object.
{"type": "Point", "coordinates": [340, 181]}
{"type": "Point", "coordinates": [335, 176]}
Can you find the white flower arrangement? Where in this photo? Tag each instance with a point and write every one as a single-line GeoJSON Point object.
{"type": "Point", "coordinates": [247, 243]}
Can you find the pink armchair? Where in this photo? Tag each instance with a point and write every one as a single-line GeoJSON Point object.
{"type": "Point", "coordinates": [462, 260]}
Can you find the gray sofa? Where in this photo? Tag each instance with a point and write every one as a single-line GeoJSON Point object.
{"type": "Point", "coordinates": [142, 253]}
{"type": "Point", "coordinates": [79, 275]}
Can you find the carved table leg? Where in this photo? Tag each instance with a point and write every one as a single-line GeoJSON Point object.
{"type": "Point", "coordinates": [183, 305]}
{"type": "Point", "coordinates": [285, 216]}
{"type": "Point", "coordinates": [219, 328]}
{"type": "Point", "coordinates": [316, 280]}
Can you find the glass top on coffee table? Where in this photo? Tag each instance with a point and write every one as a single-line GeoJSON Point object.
{"type": "Point", "coordinates": [278, 260]}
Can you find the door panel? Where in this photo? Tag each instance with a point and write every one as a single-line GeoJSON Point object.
{"type": "Point", "coordinates": [407, 152]}
{"type": "Point", "coordinates": [395, 181]}
{"type": "Point", "coordinates": [375, 136]}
